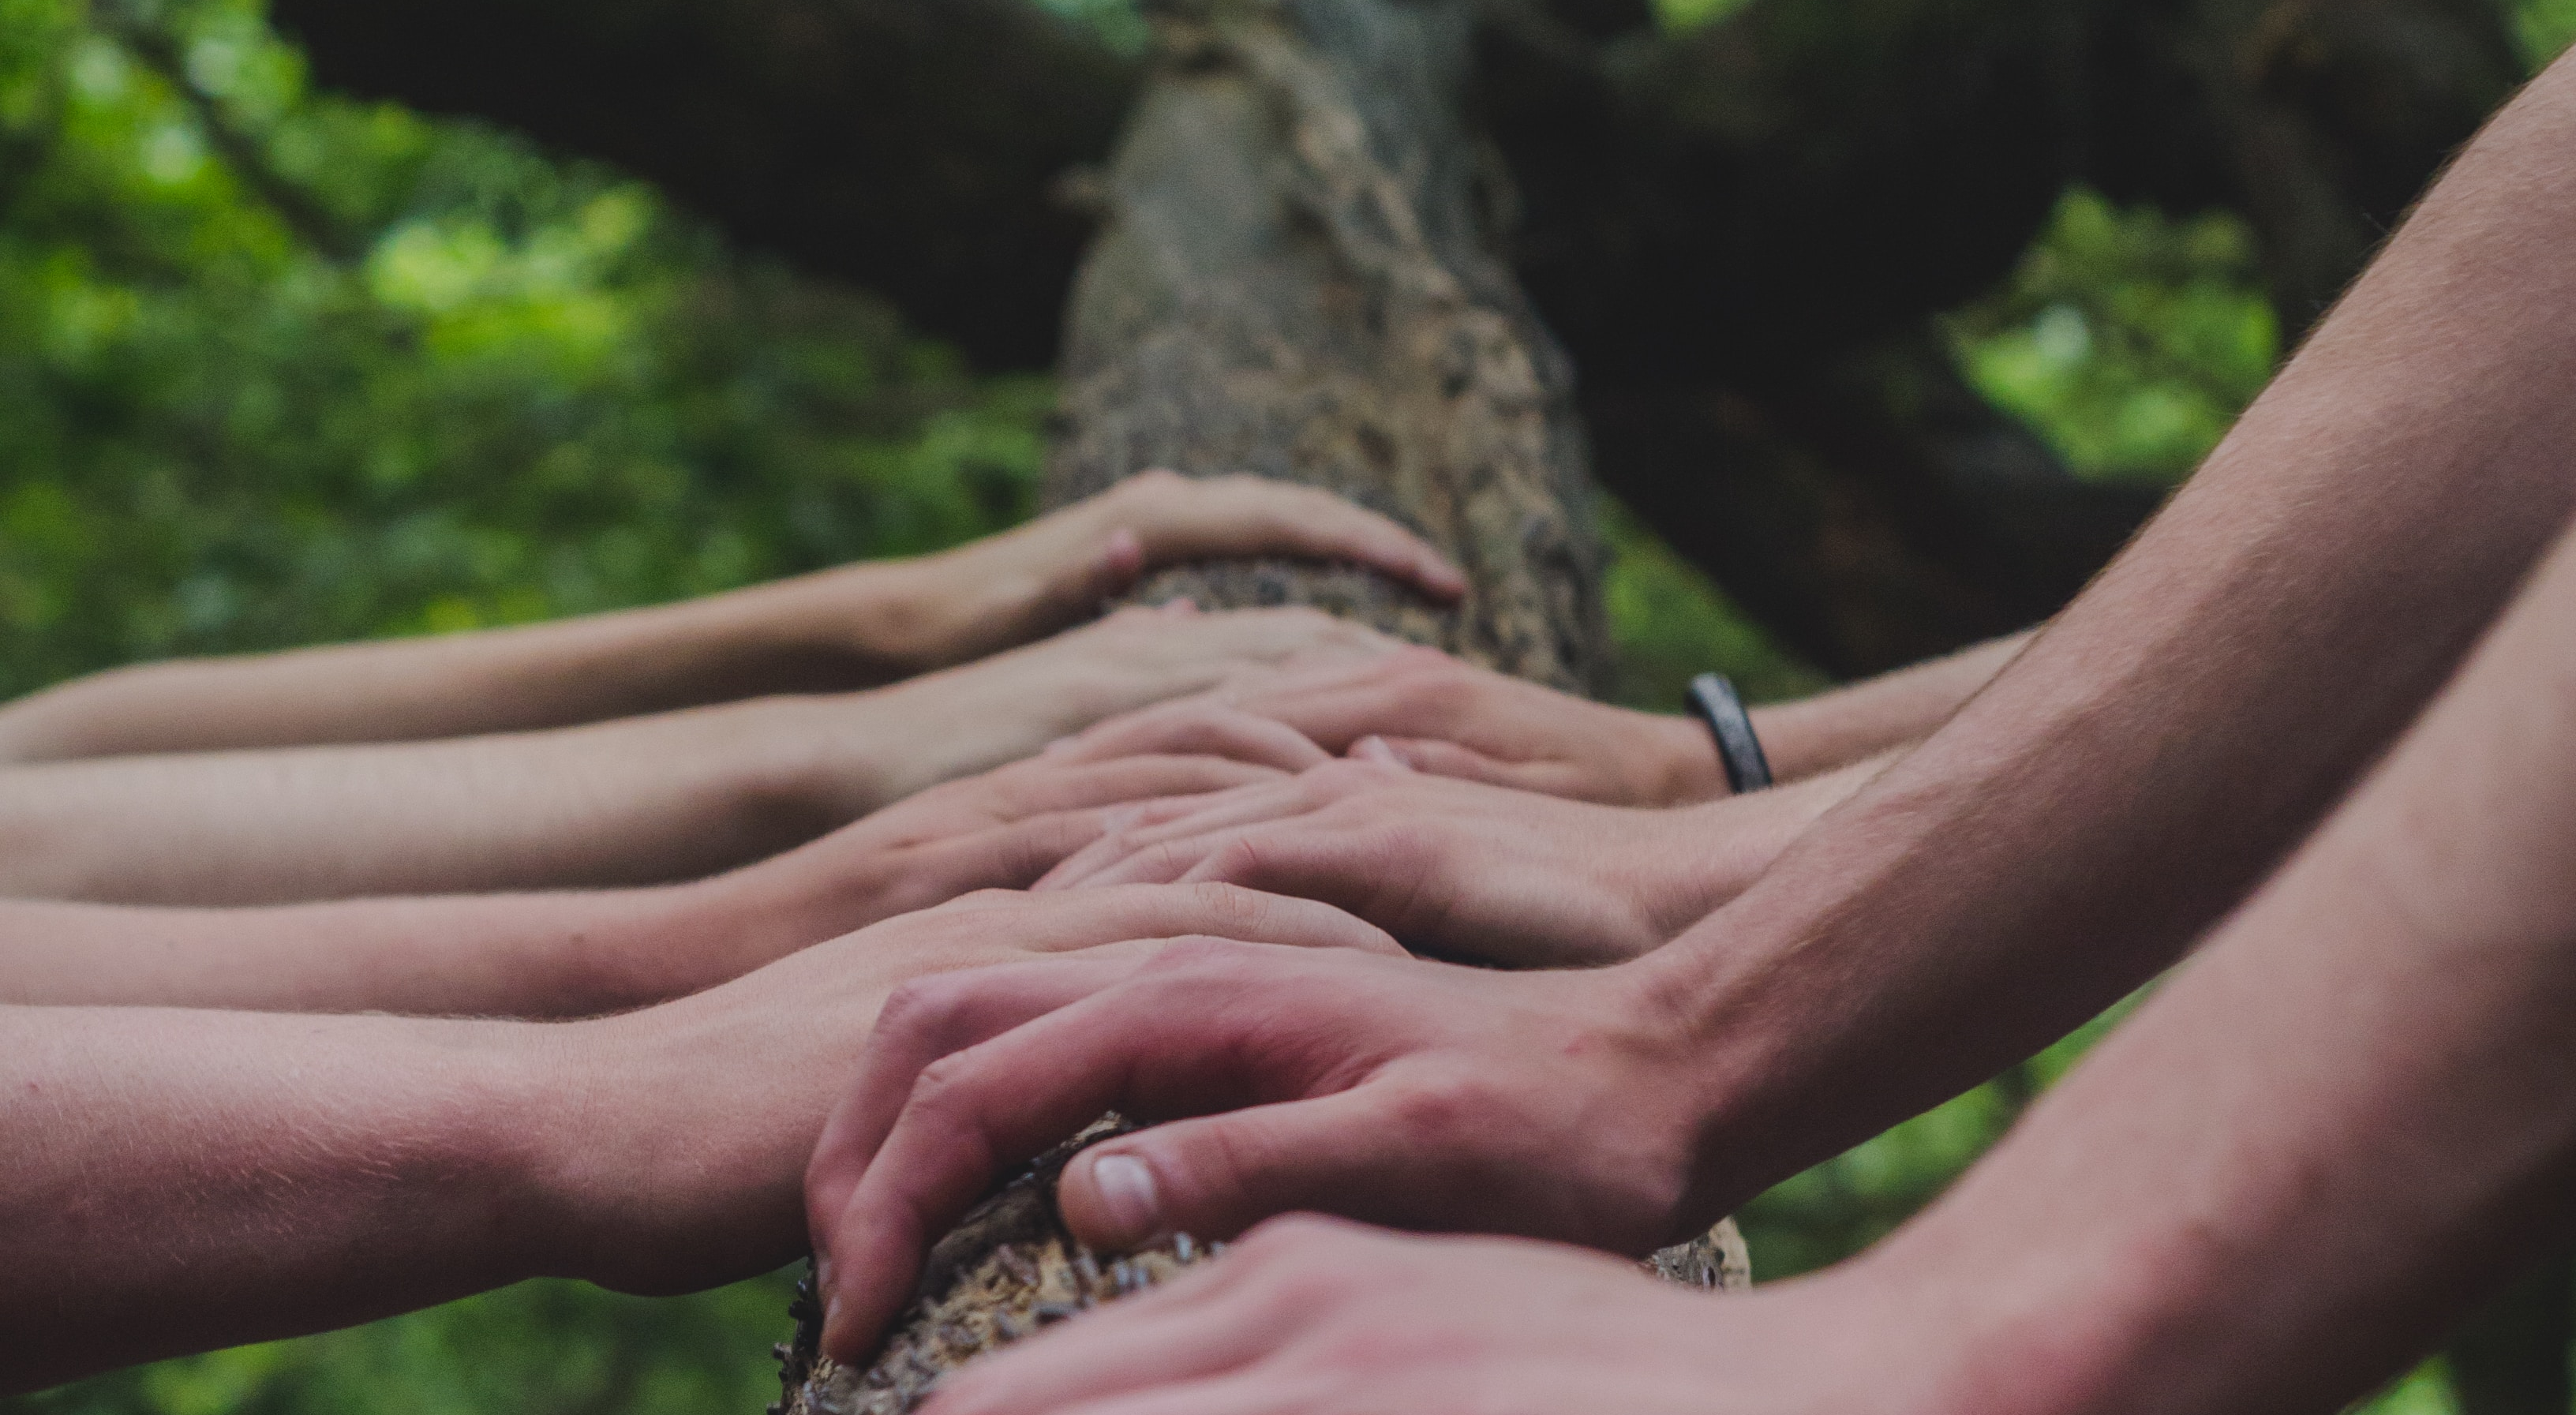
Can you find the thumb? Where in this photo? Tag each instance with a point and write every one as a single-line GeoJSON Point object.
{"type": "Point", "coordinates": [1214, 1177]}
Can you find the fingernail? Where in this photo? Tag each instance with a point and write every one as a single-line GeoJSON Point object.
{"type": "Point", "coordinates": [823, 1275]}
{"type": "Point", "coordinates": [1126, 1189]}
{"type": "Point", "coordinates": [1373, 748]}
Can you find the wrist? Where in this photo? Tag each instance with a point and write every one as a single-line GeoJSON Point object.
{"type": "Point", "coordinates": [672, 1150]}
{"type": "Point", "coordinates": [2032, 1327]}
{"type": "Point", "coordinates": [1686, 768]}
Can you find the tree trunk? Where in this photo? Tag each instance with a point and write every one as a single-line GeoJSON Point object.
{"type": "Point", "coordinates": [1294, 277]}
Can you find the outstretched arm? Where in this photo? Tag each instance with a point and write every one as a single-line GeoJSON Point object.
{"type": "Point", "coordinates": [2057, 843]}
{"type": "Point", "coordinates": [2272, 1189]}
{"type": "Point", "coordinates": [835, 631]}
{"type": "Point", "coordinates": [584, 953]}
{"type": "Point", "coordinates": [1437, 714]}
{"type": "Point", "coordinates": [181, 1180]}
{"type": "Point", "coordinates": [638, 801]}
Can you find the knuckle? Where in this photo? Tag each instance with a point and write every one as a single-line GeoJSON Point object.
{"type": "Point", "coordinates": [922, 1007]}
{"type": "Point", "coordinates": [1449, 1113]}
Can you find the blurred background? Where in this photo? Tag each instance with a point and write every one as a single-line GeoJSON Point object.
{"type": "Point", "coordinates": [384, 318]}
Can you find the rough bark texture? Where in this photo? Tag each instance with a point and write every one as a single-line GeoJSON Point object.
{"type": "Point", "coordinates": [1729, 229]}
{"type": "Point", "coordinates": [1291, 278]}
{"type": "Point", "coordinates": [1009, 1269]}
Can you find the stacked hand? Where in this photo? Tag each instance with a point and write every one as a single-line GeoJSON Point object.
{"type": "Point", "coordinates": [682, 1130]}
{"type": "Point", "coordinates": [1440, 715]}
{"type": "Point", "coordinates": [1454, 867]}
{"type": "Point", "coordinates": [1013, 587]}
{"type": "Point", "coordinates": [1327, 1318]}
{"type": "Point", "coordinates": [1564, 1105]}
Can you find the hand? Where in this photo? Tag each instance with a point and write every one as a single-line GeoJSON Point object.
{"type": "Point", "coordinates": [679, 1133]}
{"type": "Point", "coordinates": [1439, 715]}
{"type": "Point", "coordinates": [973, 718]}
{"type": "Point", "coordinates": [1564, 1105]}
{"type": "Point", "coordinates": [1013, 587]}
{"type": "Point", "coordinates": [999, 830]}
{"type": "Point", "coordinates": [1460, 868]}
{"type": "Point", "coordinates": [1328, 1318]}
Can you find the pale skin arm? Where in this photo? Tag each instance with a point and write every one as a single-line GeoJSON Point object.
{"type": "Point", "coordinates": [838, 630]}
{"type": "Point", "coordinates": [586, 953]}
{"type": "Point", "coordinates": [1461, 869]}
{"type": "Point", "coordinates": [639, 801]}
{"type": "Point", "coordinates": [2342, 1123]}
{"type": "Point", "coordinates": [2059, 841]}
{"type": "Point", "coordinates": [181, 1180]}
{"type": "Point", "coordinates": [1439, 715]}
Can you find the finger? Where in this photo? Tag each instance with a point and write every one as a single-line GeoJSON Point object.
{"type": "Point", "coordinates": [956, 1112]}
{"type": "Point", "coordinates": [1077, 868]}
{"type": "Point", "coordinates": [1246, 515]}
{"type": "Point", "coordinates": [1215, 909]}
{"type": "Point", "coordinates": [1372, 874]}
{"type": "Point", "coordinates": [1350, 1152]}
{"type": "Point", "coordinates": [1166, 862]}
{"type": "Point", "coordinates": [1195, 727]}
{"type": "Point", "coordinates": [956, 1085]}
{"type": "Point", "coordinates": [1055, 785]}
{"type": "Point", "coordinates": [922, 1021]}
{"type": "Point", "coordinates": [1116, 855]}
{"type": "Point", "coordinates": [1434, 757]}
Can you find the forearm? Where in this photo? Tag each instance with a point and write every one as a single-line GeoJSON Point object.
{"type": "Point", "coordinates": [555, 955]}
{"type": "Point", "coordinates": [1696, 859]}
{"type": "Point", "coordinates": [768, 639]}
{"type": "Point", "coordinates": [1884, 714]}
{"type": "Point", "coordinates": [2347, 1116]}
{"type": "Point", "coordinates": [2145, 759]}
{"type": "Point", "coordinates": [179, 1181]}
{"type": "Point", "coordinates": [628, 803]}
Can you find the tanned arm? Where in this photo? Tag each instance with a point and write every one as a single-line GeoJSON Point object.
{"type": "Point", "coordinates": [842, 629]}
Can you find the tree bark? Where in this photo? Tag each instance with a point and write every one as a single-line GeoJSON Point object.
{"type": "Point", "coordinates": [1293, 278]}
{"type": "Point", "coordinates": [1730, 229]}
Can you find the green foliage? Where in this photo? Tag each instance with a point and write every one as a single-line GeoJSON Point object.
{"type": "Point", "coordinates": [2127, 338]}
{"type": "Point", "coordinates": [1671, 624]}
{"type": "Point", "coordinates": [277, 368]}
{"type": "Point", "coordinates": [555, 1346]}
{"type": "Point", "coordinates": [2545, 27]}
{"type": "Point", "coordinates": [280, 368]}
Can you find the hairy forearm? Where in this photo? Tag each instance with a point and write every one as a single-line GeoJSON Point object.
{"type": "Point", "coordinates": [185, 1180]}
{"type": "Point", "coordinates": [2342, 1120]}
{"type": "Point", "coordinates": [767, 639]}
{"type": "Point", "coordinates": [2144, 760]}
{"type": "Point", "coordinates": [1886, 713]}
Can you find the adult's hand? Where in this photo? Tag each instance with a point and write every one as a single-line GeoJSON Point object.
{"type": "Point", "coordinates": [1328, 1318]}
{"type": "Point", "coordinates": [1438, 714]}
{"type": "Point", "coordinates": [706, 1110]}
{"type": "Point", "coordinates": [997, 831]}
{"type": "Point", "coordinates": [1563, 1105]}
{"type": "Point", "coordinates": [1010, 588]}
{"type": "Point", "coordinates": [881, 746]}
{"type": "Point", "coordinates": [1463, 869]}
{"type": "Point", "coordinates": [1455, 867]}
{"type": "Point", "coordinates": [185, 1179]}
{"type": "Point", "coordinates": [846, 628]}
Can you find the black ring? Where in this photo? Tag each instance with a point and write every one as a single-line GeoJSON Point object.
{"type": "Point", "coordinates": [1714, 698]}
